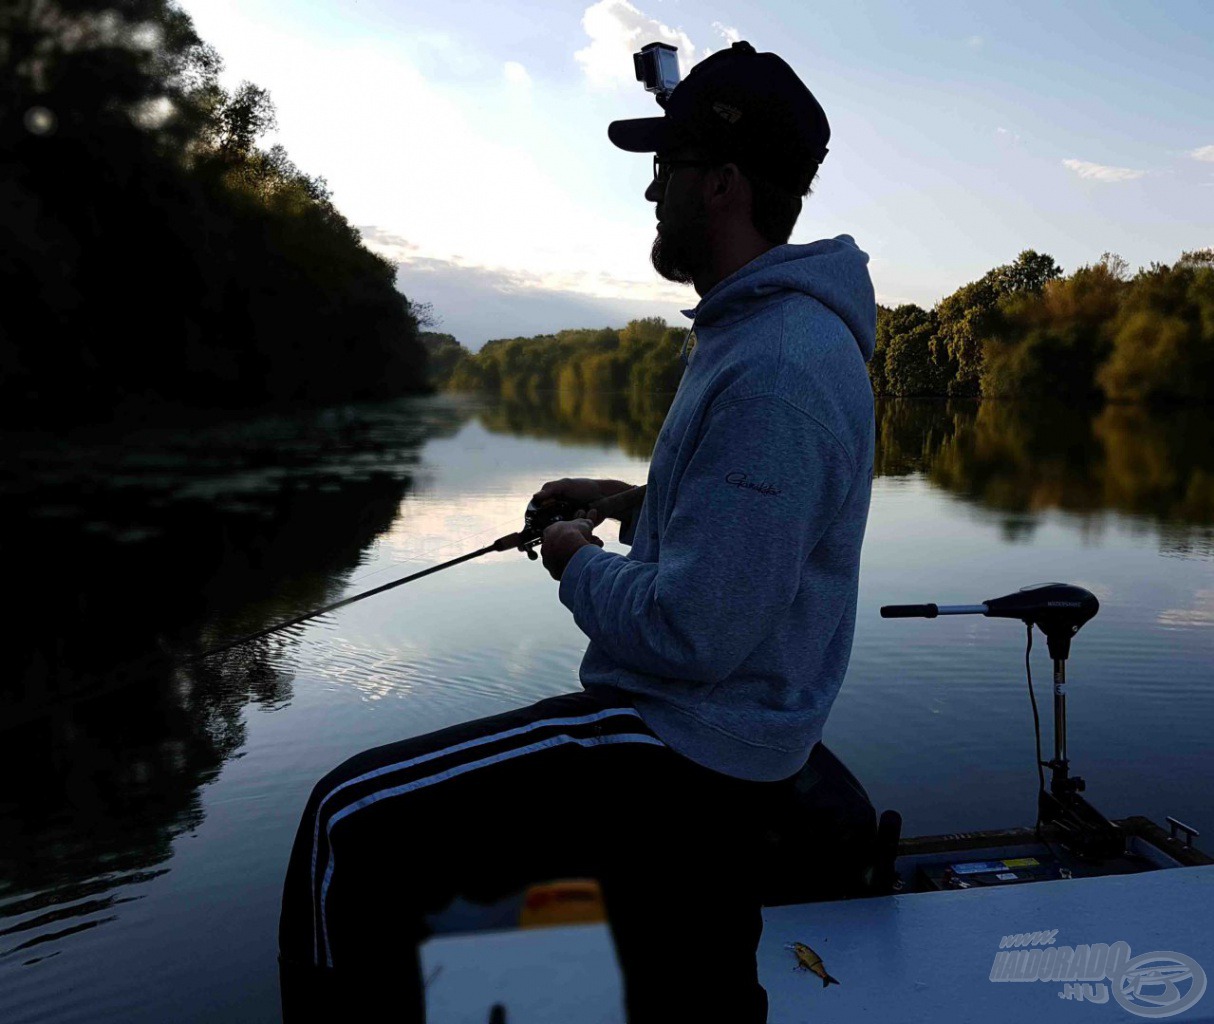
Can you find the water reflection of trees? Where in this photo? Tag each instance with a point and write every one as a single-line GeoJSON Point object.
{"type": "Point", "coordinates": [183, 540]}
{"type": "Point", "coordinates": [1013, 458]}
{"type": "Point", "coordinates": [168, 541]}
{"type": "Point", "coordinates": [630, 419]}
{"type": "Point", "coordinates": [1155, 467]}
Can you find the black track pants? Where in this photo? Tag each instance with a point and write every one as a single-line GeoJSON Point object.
{"type": "Point", "coordinates": [571, 787]}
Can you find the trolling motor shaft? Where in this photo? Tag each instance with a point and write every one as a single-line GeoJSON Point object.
{"type": "Point", "coordinates": [1059, 610]}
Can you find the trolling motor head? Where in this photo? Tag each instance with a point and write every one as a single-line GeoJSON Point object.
{"type": "Point", "coordinates": [1057, 609]}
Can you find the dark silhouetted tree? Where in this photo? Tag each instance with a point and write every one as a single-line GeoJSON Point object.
{"type": "Point", "coordinates": [155, 256]}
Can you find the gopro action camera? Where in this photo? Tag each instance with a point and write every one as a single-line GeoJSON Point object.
{"type": "Point", "coordinates": [657, 65]}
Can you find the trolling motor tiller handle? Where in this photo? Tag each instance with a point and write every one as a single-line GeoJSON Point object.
{"type": "Point", "coordinates": [1059, 610]}
{"type": "Point", "coordinates": [909, 611]}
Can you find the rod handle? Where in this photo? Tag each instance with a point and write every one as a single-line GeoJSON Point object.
{"type": "Point", "coordinates": [621, 502]}
{"type": "Point", "coordinates": [909, 611]}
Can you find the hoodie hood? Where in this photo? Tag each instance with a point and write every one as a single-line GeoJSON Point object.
{"type": "Point", "coordinates": [834, 271]}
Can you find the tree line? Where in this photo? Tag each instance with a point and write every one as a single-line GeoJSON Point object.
{"type": "Point", "coordinates": [640, 356]}
{"type": "Point", "coordinates": [1026, 330]}
{"type": "Point", "coordinates": [1022, 330]}
{"type": "Point", "coordinates": [155, 255]}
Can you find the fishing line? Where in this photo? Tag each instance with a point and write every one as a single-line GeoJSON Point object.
{"type": "Point", "coordinates": [422, 557]}
{"type": "Point", "coordinates": [535, 520]}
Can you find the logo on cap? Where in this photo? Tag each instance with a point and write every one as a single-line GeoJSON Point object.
{"type": "Point", "coordinates": [726, 112]}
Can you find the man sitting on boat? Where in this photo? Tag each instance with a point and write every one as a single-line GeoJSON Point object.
{"type": "Point", "coordinates": [717, 644]}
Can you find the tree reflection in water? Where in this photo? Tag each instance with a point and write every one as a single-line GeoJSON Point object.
{"type": "Point", "coordinates": [177, 540]}
{"type": "Point", "coordinates": [1010, 457]}
{"type": "Point", "coordinates": [127, 548]}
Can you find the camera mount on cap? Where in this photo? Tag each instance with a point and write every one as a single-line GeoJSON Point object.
{"type": "Point", "coordinates": [657, 65]}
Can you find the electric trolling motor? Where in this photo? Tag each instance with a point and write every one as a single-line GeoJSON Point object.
{"type": "Point", "coordinates": [1059, 610]}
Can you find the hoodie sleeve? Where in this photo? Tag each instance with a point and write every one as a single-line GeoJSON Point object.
{"type": "Point", "coordinates": [762, 486]}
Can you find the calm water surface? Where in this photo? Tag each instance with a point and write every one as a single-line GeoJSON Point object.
{"type": "Point", "coordinates": [146, 814]}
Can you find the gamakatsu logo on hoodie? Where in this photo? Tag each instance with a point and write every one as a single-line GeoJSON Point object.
{"type": "Point", "coordinates": [1158, 984]}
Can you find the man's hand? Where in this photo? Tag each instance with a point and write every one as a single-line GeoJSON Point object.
{"type": "Point", "coordinates": [561, 542]}
{"type": "Point", "coordinates": [584, 490]}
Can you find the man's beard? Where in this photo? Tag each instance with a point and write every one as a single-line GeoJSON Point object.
{"type": "Point", "coordinates": [680, 251]}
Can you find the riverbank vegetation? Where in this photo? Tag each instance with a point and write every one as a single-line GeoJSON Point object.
{"type": "Point", "coordinates": [1023, 330]}
{"type": "Point", "coordinates": [640, 356]}
{"type": "Point", "coordinates": [1026, 330]}
{"type": "Point", "coordinates": [156, 256]}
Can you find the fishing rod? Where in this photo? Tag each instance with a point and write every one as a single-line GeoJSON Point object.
{"type": "Point", "coordinates": [536, 519]}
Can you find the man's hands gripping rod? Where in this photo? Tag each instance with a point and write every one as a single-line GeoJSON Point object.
{"type": "Point", "coordinates": [595, 500]}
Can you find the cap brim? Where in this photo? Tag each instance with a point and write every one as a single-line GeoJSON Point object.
{"type": "Point", "coordinates": [641, 134]}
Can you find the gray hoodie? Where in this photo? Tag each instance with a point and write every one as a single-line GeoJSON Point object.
{"type": "Point", "coordinates": [729, 623]}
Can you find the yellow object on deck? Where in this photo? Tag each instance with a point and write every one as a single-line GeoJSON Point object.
{"type": "Point", "coordinates": [570, 901]}
{"type": "Point", "coordinates": [808, 960]}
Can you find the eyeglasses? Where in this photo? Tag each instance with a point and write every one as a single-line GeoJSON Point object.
{"type": "Point", "coordinates": [663, 167]}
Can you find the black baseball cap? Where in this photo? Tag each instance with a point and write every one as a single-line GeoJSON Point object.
{"type": "Point", "coordinates": [744, 106]}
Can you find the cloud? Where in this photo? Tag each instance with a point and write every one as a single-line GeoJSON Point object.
{"type": "Point", "coordinates": [1203, 153]}
{"type": "Point", "coordinates": [516, 75]}
{"type": "Point", "coordinates": [1099, 172]}
{"type": "Point", "coordinates": [507, 188]}
{"type": "Point", "coordinates": [392, 246]}
{"type": "Point", "coordinates": [974, 42]}
{"type": "Point", "coordinates": [477, 303]}
{"type": "Point", "coordinates": [617, 30]}
{"type": "Point", "coordinates": [730, 35]}
{"type": "Point", "coordinates": [1007, 135]}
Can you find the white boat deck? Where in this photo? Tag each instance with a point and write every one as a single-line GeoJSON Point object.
{"type": "Point", "coordinates": [904, 959]}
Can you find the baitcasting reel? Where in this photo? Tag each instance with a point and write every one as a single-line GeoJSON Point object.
{"type": "Point", "coordinates": [538, 518]}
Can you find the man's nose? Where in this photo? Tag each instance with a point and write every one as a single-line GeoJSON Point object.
{"type": "Point", "coordinates": [655, 191]}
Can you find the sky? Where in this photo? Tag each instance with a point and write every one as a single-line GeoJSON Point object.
{"type": "Point", "coordinates": [468, 141]}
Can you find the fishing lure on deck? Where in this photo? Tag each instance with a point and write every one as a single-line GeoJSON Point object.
{"type": "Point", "coordinates": [808, 960]}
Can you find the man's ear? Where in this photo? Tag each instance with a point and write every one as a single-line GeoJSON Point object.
{"type": "Point", "coordinates": [730, 181]}
{"type": "Point", "coordinates": [725, 177]}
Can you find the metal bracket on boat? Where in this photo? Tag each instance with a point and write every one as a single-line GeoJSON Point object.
{"type": "Point", "coordinates": [1174, 826]}
{"type": "Point", "coordinates": [1079, 825]}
